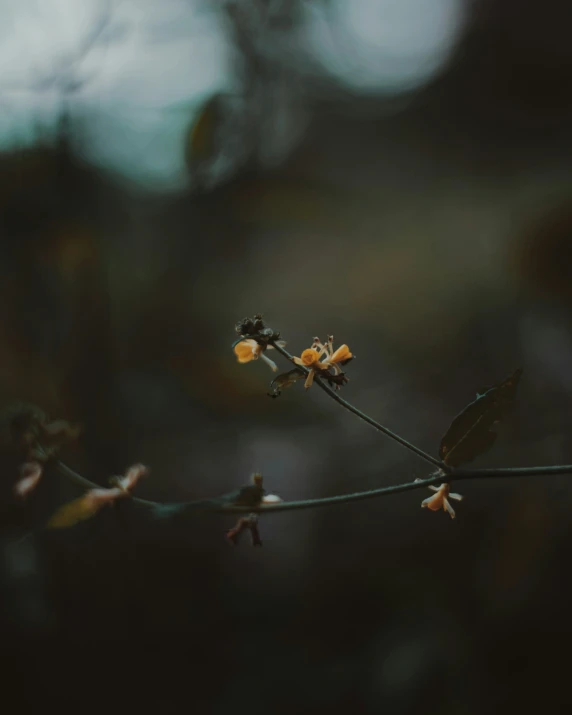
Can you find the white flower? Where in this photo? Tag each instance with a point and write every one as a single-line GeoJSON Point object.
{"type": "Point", "coordinates": [440, 500]}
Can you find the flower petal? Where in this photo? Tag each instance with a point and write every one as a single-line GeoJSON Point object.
{"type": "Point", "coordinates": [246, 350]}
{"type": "Point", "coordinates": [132, 476]}
{"type": "Point", "coordinates": [101, 496]}
{"type": "Point", "coordinates": [447, 507]}
{"type": "Point", "coordinates": [341, 354]}
{"type": "Point", "coordinates": [310, 379]}
{"type": "Point", "coordinates": [435, 503]}
{"type": "Point", "coordinates": [309, 357]}
{"type": "Point", "coordinates": [31, 473]}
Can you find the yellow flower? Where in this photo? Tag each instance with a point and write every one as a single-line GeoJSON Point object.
{"type": "Point", "coordinates": [248, 349]}
{"type": "Point", "coordinates": [440, 500]}
{"type": "Point", "coordinates": [310, 358]}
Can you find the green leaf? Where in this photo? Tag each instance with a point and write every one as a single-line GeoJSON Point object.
{"type": "Point", "coordinates": [470, 432]}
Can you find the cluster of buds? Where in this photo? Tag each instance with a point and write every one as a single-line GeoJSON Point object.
{"type": "Point", "coordinates": [318, 360]}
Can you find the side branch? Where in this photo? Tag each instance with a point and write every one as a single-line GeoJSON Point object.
{"type": "Point", "coordinates": [376, 425]}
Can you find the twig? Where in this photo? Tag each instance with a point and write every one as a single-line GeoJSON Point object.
{"type": "Point", "coordinates": [224, 505]}
{"type": "Point", "coordinates": [495, 472]}
{"type": "Point", "coordinates": [376, 425]}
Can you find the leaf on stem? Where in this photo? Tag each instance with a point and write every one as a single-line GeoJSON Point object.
{"type": "Point", "coordinates": [286, 379]}
{"type": "Point", "coordinates": [470, 432]}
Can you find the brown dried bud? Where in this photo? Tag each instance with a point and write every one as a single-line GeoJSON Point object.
{"type": "Point", "coordinates": [245, 523]}
{"type": "Point", "coordinates": [245, 327]}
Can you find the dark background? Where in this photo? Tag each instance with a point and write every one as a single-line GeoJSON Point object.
{"type": "Point", "coordinates": [430, 230]}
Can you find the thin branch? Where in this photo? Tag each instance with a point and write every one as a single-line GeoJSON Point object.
{"type": "Point", "coordinates": [496, 472]}
{"type": "Point", "coordinates": [459, 475]}
{"type": "Point", "coordinates": [206, 504]}
{"type": "Point", "coordinates": [224, 504]}
{"type": "Point", "coordinates": [376, 425]}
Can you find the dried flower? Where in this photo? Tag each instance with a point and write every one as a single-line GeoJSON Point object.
{"type": "Point", "coordinates": [253, 494]}
{"type": "Point", "coordinates": [250, 495]}
{"type": "Point", "coordinates": [312, 358]}
{"type": "Point", "coordinates": [251, 326]}
{"type": "Point", "coordinates": [93, 500]}
{"type": "Point", "coordinates": [31, 473]}
{"type": "Point", "coordinates": [245, 523]}
{"type": "Point", "coordinates": [131, 477]}
{"type": "Point", "coordinates": [26, 429]}
{"type": "Point", "coordinates": [249, 349]}
{"type": "Point", "coordinates": [440, 500]}
{"type": "Point", "coordinates": [256, 327]}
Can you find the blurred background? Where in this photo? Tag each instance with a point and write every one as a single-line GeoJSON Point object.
{"type": "Point", "coordinates": [395, 172]}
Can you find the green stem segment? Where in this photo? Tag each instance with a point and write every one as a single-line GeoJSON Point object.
{"type": "Point", "coordinates": [376, 425]}
{"type": "Point", "coordinates": [224, 505]}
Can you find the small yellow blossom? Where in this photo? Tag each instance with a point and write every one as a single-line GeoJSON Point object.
{"type": "Point", "coordinates": [440, 500]}
{"type": "Point", "coordinates": [311, 358]}
{"type": "Point", "coordinates": [248, 349]}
